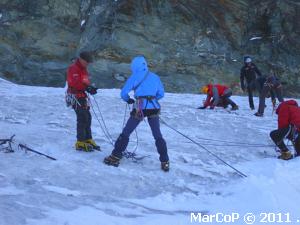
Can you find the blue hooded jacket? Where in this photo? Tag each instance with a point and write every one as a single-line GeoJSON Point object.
{"type": "Point", "coordinates": [151, 86]}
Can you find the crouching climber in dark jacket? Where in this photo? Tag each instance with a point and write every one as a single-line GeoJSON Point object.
{"type": "Point", "coordinates": [270, 85]}
{"type": "Point", "coordinates": [217, 95]}
{"type": "Point", "coordinates": [288, 128]}
{"type": "Point", "coordinates": [148, 89]}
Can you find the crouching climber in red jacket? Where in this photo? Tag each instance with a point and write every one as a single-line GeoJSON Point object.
{"type": "Point", "coordinates": [288, 128]}
{"type": "Point", "coordinates": [217, 95]}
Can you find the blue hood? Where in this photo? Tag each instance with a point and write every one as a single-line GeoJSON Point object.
{"type": "Point", "coordinates": [144, 83]}
{"type": "Point", "coordinates": [139, 65]}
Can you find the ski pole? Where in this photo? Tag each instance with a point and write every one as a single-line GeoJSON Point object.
{"type": "Point", "coordinates": [31, 150]}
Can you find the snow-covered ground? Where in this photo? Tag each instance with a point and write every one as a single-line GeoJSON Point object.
{"type": "Point", "coordinates": [78, 189]}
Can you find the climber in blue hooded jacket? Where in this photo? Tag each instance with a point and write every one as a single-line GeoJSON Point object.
{"type": "Point", "coordinates": [148, 89]}
{"type": "Point", "coordinates": [144, 83]}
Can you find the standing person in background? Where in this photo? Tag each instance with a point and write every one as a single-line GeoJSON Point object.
{"type": "Point", "coordinates": [288, 128]}
{"type": "Point", "coordinates": [218, 95]}
{"type": "Point", "coordinates": [270, 86]}
{"type": "Point", "coordinates": [148, 89]}
{"type": "Point", "coordinates": [249, 72]}
{"type": "Point", "coordinates": [78, 84]}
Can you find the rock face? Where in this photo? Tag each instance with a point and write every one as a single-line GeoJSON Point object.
{"type": "Point", "coordinates": [187, 42]}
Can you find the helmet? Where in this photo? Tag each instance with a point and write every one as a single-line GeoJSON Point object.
{"type": "Point", "coordinates": [247, 59]}
{"type": "Point", "coordinates": [204, 89]}
{"type": "Point", "coordinates": [86, 56]}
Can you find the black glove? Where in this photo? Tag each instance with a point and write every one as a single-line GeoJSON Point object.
{"type": "Point", "coordinates": [130, 101]}
{"type": "Point", "coordinates": [201, 107]}
{"type": "Point", "coordinates": [274, 102]}
{"type": "Point", "coordinates": [92, 90]}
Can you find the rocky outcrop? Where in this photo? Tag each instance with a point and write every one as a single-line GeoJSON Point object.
{"type": "Point", "coordinates": [188, 42]}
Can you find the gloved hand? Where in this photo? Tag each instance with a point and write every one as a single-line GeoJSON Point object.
{"type": "Point", "coordinates": [274, 102]}
{"type": "Point", "coordinates": [92, 90]}
{"type": "Point", "coordinates": [201, 107]}
{"type": "Point", "coordinates": [211, 107]}
{"type": "Point", "coordinates": [130, 101]}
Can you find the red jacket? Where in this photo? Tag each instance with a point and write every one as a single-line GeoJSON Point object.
{"type": "Point", "coordinates": [288, 114]}
{"type": "Point", "coordinates": [220, 89]}
{"type": "Point", "coordinates": [78, 79]}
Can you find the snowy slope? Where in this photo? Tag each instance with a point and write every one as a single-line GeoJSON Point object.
{"type": "Point", "coordinates": [79, 189]}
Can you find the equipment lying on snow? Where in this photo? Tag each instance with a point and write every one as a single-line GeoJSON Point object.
{"type": "Point", "coordinates": [9, 141]}
{"type": "Point", "coordinates": [24, 147]}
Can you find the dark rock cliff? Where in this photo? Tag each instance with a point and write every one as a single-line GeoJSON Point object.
{"type": "Point", "coordinates": [188, 42]}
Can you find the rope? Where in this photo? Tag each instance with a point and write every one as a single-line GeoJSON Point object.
{"type": "Point", "coordinates": [237, 145]}
{"type": "Point", "coordinates": [232, 142]}
{"type": "Point", "coordinates": [102, 126]}
{"type": "Point", "coordinates": [103, 121]}
{"type": "Point", "coordinates": [201, 146]}
{"type": "Point", "coordinates": [126, 153]}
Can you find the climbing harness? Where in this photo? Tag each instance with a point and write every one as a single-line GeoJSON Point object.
{"type": "Point", "coordinates": [71, 100]}
{"type": "Point", "coordinates": [132, 154]}
{"type": "Point", "coordinates": [129, 155]}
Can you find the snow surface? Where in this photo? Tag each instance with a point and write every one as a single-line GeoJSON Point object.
{"type": "Point", "coordinates": [79, 189]}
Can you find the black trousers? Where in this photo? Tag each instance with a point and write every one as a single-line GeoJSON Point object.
{"type": "Point", "coordinates": [84, 120]}
{"type": "Point", "coordinates": [279, 135]}
{"type": "Point", "coordinates": [225, 99]}
{"type": "Point", "coordinates": [251, 87]}
{"type": "Point", "coordinates": [265, 91]}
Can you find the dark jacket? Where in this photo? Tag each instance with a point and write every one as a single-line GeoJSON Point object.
{"type": "Point", "coordinates": [249, 71]}
{"type": "Point", "coordinates": [272, 81]}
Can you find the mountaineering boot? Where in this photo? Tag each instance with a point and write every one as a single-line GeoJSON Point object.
{"type": "Point", "coordinates": [162, 150]}
{"type": "Point", "coordinates": [165, 166]}
{"type": "Point", "coordinates": [93, 144]}
{"type": "Point", "coordinates": [83, 146]}
{"type": "Point", "coordinates": [120, 146]}
{"type": "Point", "coordinates": [258, 114]}
{"type": "Point", "coordinates": [234, 107]}
{"type": "Point", "coordinates": [286, 155]}
{"type": "Point", "coordinates": [225, 105]}
{"type": "Point", "coordinates": [112, 160]}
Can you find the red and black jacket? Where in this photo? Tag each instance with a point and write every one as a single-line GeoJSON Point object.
{"type": "Point", "coordinates": [78, 79]}
{"type": "Point", "coordinates": [213, 90]}
{"type": "Point", "coordinates": [288, 114]}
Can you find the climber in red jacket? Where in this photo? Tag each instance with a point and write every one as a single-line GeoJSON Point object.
{"type": "Point", "coordinates": [288, 127]}
{"type": "Point", "coordinates": [217, 95]}
{"type": "Point", "coordinates": [78, 84]}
